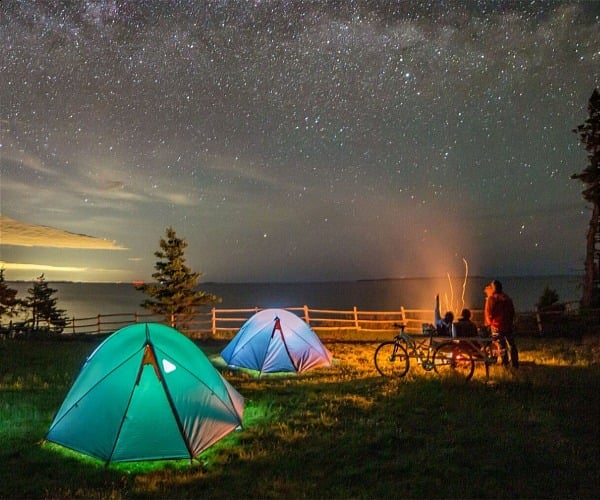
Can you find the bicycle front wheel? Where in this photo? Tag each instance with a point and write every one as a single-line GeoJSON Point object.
{"type": "Point", "coordinates": [391, 360]}
{"type": "Point", "coordinates": [452, 361]}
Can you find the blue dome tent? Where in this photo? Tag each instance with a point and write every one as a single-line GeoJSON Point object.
{"type": "Point", "coordinates": [276, 340]}
{"type": "Point", "coordinates": [146, 393]}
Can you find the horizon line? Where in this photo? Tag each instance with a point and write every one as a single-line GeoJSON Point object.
{"type": "Point", "coordinates": [273, 282]}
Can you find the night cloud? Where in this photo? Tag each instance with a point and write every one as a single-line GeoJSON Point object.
{"type": "Point", "coordinates": [18, 233]}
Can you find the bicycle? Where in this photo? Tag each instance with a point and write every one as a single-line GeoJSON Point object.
{"type": "Point", "coordinates": [486, 349]}
{"type": "Point", "coordinates": [392, 357]}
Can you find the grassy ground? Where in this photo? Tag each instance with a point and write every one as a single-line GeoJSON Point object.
{"type": "Point", "coordinates": [339, 433]}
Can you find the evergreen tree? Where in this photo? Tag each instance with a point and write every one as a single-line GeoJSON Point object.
{"type": "Point", "coordinates": [43, 307]}
{"type": "Point", "coordinates": [9, 304]}
{"type": "Point", "coordinates": [174, 293]}
{"type": "Point", "coordinates": [589, 136]}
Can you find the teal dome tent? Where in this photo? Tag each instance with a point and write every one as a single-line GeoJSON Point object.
{"type": "Point", "coordinates": [146, 393]}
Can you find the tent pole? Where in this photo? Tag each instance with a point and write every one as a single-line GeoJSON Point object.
{"type": "Point", "coordinates": [278, 327]}
{"type": "Point", "coordinates": [161, 378]}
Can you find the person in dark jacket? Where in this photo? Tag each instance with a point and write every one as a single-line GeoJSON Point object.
{"type": "Point", "coordinates": [464, 327]}
{"type": "Point", "coordinates": [499, 315]}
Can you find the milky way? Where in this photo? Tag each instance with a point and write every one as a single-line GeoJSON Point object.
{"type": "Point", "coordinates": [298, 140]}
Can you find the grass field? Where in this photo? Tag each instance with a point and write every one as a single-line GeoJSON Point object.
{"type": "Point", "coordinates": [344, 432]}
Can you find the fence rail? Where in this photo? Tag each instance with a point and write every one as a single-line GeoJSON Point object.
{"type": "Point", "coordinates": [217, 321]}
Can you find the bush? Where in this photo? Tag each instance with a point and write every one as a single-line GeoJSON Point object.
{"type": "Point", "coordinates": [548, 301]}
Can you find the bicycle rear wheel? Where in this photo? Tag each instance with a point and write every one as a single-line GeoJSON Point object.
{"type": "Point", "coordinates": [452, 361]}
{"type": "Point", "coordinates": [391, 360]}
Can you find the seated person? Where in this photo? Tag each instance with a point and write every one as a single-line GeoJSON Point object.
{"type": "Point", "coordinates": [464, 327]}
{"type": "Point", "coordinates": [442, 325]}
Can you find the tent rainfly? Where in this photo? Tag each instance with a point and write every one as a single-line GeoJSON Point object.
{"type": "Point", "coordinates": [276, 340]}
{"type": "Point", "coordinates": [146, 393]}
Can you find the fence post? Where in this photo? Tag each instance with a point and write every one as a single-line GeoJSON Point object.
{"type": "Point", "coordinates": [356, 325]}
{"type": "Point", "coordinates": [73, 325]}
{"type": "Point", "coordinates": [538, 320]}
{"type": "Point", "coordinates": [99, 326]}
{"type": "Point", "coordinates": [306, 316]}
{"type": "Point", "coordinates": [214, 322]}
{"type": "Point", "coordinates": [137, 317]}
{"type": "Point", "coordinates": [403, 314]}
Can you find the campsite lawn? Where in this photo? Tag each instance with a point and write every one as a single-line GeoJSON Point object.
{"type": "Point", "coordinates": [344, 432]}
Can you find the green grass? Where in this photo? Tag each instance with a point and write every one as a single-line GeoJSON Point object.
{"type": "Point", "coordinates": [339, 433]}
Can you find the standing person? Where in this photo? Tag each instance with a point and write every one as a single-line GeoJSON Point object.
{"type": "Point", "coordinates": [499, 316]}
{"type": "Point", "coordinates": [442, 325]}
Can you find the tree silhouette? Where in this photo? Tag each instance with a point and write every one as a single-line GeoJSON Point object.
{"type": "Point", "coordinates": [9, 303]}
{"type": "Point", "coordinates": [43, 307]}
{"type": "Point", "coordinates": [589, 136]}
{"type": "Point", "coordinates": [174, 291]}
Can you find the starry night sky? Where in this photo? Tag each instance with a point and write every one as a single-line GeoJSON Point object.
{"type": "Point", "coordinates": [294, 140]}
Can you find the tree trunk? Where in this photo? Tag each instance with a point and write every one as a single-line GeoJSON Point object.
{"type": "Point", "coordinates": [591, 268]}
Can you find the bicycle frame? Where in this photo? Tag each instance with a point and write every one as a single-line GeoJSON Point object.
{"type": "Point", "coordinates": [420, 349]}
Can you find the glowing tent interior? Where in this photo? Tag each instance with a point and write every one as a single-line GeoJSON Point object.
{"type": "Point", "coordinates": [276, 340]}
{"type": "Point", "coordinates": [146, 393]}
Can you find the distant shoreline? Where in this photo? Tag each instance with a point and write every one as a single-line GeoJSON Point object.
{"type": "Point", "coordinates": [86, 299]}
{"type": "Point", "coordinates": [313, 282]}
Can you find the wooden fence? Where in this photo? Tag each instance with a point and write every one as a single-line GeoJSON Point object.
{"type": "Point", "coordinates": [217, 321]}
{"type": "Point", "coordinates": [221, 322]}
{"type": "Point", "coordinates": [350, 324]}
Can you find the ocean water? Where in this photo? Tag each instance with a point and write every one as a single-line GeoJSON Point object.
{"type": "Point", "coordinates": [86, 300]}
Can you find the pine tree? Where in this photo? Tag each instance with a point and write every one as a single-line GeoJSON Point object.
{"type": "Point", "coordinates": [43, 307]}
{"type": "Point", "coordinates": [9, 303]}
{"type": "Point", "coordinates": [174, 293]}
{"type": "Point", "coordinates": [589, 136]}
